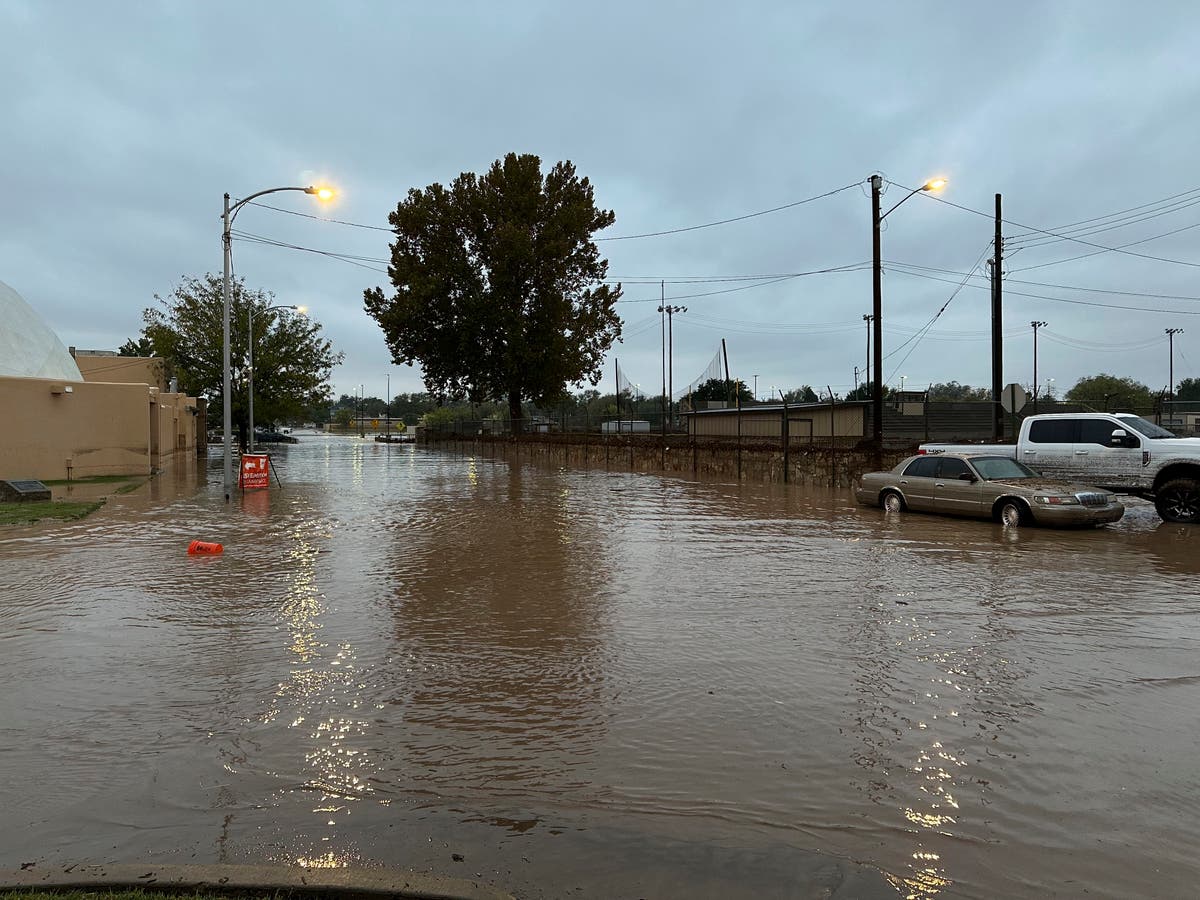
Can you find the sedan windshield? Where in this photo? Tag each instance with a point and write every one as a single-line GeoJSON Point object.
{"type": "Point", "coordinates": [1149, 429]}
{"type": "Point", "coordinates": [1001, 468]}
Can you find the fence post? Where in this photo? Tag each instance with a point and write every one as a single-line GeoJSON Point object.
{"type": "Point", "coordinates": [786, 435]}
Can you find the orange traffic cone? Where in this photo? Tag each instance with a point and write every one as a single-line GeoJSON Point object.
{"type": "Point", "coordinates": [204, 548]}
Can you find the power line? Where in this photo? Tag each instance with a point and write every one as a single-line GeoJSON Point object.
{"type": "Point", "coordinates": [1100, 247]}
{"type": "Point", "coordinates": [850, 267]}
{"type": "Point", "coordinates": [1058, 299]}
{"type": "Point", "coordinates": [1121, 212]}
{"type": "Point", "coordinates": [764, 212]}
{"type": "Point", "coordinates": [1108, 225]}
{"type": "Point", "coordinates": [1065, 287]}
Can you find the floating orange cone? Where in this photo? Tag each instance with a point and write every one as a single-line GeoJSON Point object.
{"type": "Point", "coordinates": [204, 548]}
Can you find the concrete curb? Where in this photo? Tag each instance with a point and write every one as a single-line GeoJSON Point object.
{"type": "Point", "coordinates": [253, 879]}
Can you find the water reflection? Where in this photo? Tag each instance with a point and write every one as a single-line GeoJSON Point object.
{"type": "Point", "coordinates": [403, 652]}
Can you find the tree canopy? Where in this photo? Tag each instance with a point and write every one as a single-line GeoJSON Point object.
{"type": "Point", "coordinates": [499, 289]}
{"type": "Point", "coordinates": [292, 361]}
{"type": "Point", "coordinates": [1188, 389]}
{"type": "Point", "coordinates": [1108, 392]}
{"type": "Point", "coordinates": [952, 390]}
{"type": "Point", "coordinates": [720, 389]}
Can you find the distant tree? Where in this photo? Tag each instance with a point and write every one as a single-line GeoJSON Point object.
{"type": "Point", "coordinates": [1108, 392]}
{"type": "Point", "coordinates": [136, 347]}
{"type": "Point", "coordinates": [292, 361]}
{"type": "Point", "coordinates": [1188, 389]}
{"type": "Point", "coordinates": [952, 390]}
{"type": "Point", "coordinates": [866, 391]}
{"type": "Point", "coordinates": [499, 289]}
{"type": "Point", "coordinates": [720, 389]}
{"type": "Point", "coordinates": [802, 394]}
{"type": "Point", "coordinates": [344, 416]}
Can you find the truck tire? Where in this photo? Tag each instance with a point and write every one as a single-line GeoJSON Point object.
{"type": "Point", "coordinates": [1178, 500]}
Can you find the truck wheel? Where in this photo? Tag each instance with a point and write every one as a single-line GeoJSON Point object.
{"type": "Point", "coordinates": [892, 502]}
{"type": "Point", "coordinates": [1013, 514]}
{"type": "Point", "coordinates": [1178, 500]}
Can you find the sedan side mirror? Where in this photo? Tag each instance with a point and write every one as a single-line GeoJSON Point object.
{"type": "Point", "coordinates": [966, 476]}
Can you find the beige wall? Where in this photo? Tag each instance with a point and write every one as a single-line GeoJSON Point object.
{"type": "Point", "coordinates": [804, 422]}
{"type": "Point", "coordinates": [174, 425]}
{"type": "Point", "coordinates": [123, 369]}
{"type": "Point", "coordinates": [96, 429]}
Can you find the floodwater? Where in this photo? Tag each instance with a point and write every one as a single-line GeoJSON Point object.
{"type": "Point", "coordinates": [598, 684]}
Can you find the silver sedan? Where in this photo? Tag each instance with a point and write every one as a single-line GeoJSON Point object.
{"type": "Point", "coordinates": [986, 487]}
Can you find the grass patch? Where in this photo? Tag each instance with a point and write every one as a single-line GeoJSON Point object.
{"type": "Point", "coordinates": [132, 486]}
{"type": "Point", "coordinates": [25, 513]}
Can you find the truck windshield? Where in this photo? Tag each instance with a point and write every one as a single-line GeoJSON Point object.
{"type": "Point", "coordinates": [1001, 468]}
{"type": "Point", "coordinates": [1149, 429]}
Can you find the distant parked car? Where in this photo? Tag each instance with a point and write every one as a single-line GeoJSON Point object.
{"type": "Point", "coordinates": [274, 437]}
{"type": "Point", "coordinates": [986, 487]}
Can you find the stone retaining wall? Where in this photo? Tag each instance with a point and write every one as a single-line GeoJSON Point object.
{"type": "Point", "coordinates": [813, 464]}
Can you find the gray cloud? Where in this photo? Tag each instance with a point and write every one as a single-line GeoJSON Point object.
{"type": "Point", "coordinates": [125, 124]}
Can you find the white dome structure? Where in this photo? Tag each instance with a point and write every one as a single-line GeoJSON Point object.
{"type": "Point", "coordinates": [28, 348]}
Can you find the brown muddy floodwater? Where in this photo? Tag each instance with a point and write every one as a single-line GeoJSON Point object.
{"type": "Point", "coordinates": [600, 684]}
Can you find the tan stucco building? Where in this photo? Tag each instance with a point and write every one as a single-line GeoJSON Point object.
{"type": "Point", "coordinates": [91, 413]}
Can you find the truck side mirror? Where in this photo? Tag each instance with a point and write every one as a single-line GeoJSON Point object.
{"type": "Point", "coordinates": [1118, 438]}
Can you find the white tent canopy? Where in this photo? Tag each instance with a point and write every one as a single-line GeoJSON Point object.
{"type": "Point", "coordinates": [28, 348]}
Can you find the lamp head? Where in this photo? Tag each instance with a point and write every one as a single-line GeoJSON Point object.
{"type": "Point", "coordinates": [934, 184]}
{"type": "Point", "coordinates": [321, 193]}
{"type": "Point", "coordinates": [303, 310]}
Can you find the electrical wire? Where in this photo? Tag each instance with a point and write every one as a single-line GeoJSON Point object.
{"type": "Point", "coordinates": [1133, 209]}
{"type": "Point", "coordinates": [764, 212]}
{"type": "Point", "coordinates": [915, 340]}
{"type": "Point", "coordinates": [1058, 299]}
{"type": "Point", "coordinates": [1100, 247]}
{"type": "Point", "coordinates": [1065, 287]}
{"type": "Point", "coordinates": [1121, 222]}
{"type": "Point", "coordinates": [852, 267]}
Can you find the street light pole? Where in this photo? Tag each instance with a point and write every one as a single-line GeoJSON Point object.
{"type": "Point", "coordinates": [250, 358]}
{"type": "Point", "coordinates": [877, 296]}
{"type": "Point", "coordinates": [755, 388]}
{"type": "Point", "coordinates": [1171, 332]}
{"type": "Point", "coordinates": [227, 218]}
{"type": "Point", "coordinates": [1036, 326]}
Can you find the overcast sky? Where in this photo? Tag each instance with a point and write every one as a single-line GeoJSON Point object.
{"type": "Point", "coordinates": [124, 123]}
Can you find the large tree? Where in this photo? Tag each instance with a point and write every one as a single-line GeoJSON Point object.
{"type": "Point", "coordinates": [499, 289]}
{"type": "Point", "coordinates": [1108, 392]}
{"type": "Point", "coordinates": [1188, 389]}
{"type": "Point", "coordinates": [292, 361]}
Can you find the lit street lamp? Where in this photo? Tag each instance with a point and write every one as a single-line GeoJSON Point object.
{"type": "Point", "coordinates": [250, 344]}
{"type": "Point", "coordinates": [227, 219]}
{"type": "Point", "coordinates": [877, 284]}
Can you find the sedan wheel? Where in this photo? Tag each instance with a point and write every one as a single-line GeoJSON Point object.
{"type": "Point", "coordinates": [893, 502]}
{"type": "Point", "coordinates": [1012, 514]}
{"type": "Point", "coordinates": [1179, 501]}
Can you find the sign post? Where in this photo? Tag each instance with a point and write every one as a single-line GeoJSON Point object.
{"type": "Point", "coordinates": [1013, 398]}
{"type": "Point", "coordinates": [255, 471]}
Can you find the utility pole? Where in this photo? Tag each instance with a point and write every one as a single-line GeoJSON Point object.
{"type": "Point", "coordinates": [1171, 332]}
{"type": "Point", "coordinates": [877, 317]}
{"type": "Point", "coordinates": [670, 387]}
{"type": "Point", "coordinates": [755, 388]}
{"type": "Point", "coordinates": [1036, 326]}
{"type": "Point", "coordinates": [388, 412]}
{"type": "Point", "coordinates": [997, 329]}
{"type": "Point", "coordinates": [662, 308]}
{"type": "Point", "coordinates": [868, 318]}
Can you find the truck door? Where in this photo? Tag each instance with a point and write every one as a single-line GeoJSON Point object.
{"type": "Point", "coordinates": [1050, 447]}
{"type": "Point", "coordinates": [1102, 459]}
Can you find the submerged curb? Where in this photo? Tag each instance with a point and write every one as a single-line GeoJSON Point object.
{"type": "Point", "coordinates": [251, 879]}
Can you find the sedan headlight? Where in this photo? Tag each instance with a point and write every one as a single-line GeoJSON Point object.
{"type": "Point", "coordinates": [1055, 500]}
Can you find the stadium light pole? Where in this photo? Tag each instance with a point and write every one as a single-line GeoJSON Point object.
{"type": "Point", "coordinates": [932, 184]}
{"type": "Point", "coordinates": [322, 193]}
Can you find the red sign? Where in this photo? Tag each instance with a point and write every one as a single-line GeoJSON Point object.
{"type": "Point", "coordinates": [256, 471]}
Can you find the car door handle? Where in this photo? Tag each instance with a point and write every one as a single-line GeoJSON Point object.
{"type": "Point", "coordinates": [903, 481]}
{"type": "Point", "coordinates": [1081, 453]}
{"type": "Point", "coordinates": [1031, 453]}
{"type": "Point", "coordinates": [939, 484]}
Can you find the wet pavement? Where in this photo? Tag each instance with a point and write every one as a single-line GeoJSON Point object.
{"type": "Point", "coordinates": [601, 684]}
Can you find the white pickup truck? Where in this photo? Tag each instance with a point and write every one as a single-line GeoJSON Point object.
{"type": "Point", "coordinates": [1118, 451]}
